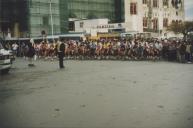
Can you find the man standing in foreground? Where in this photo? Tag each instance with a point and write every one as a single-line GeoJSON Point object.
{"type": "Point", "coordinates": [30, 53]}
{"type": "Point", "coordinates": [60, 51]}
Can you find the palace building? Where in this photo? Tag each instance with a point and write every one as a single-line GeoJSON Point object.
{"type": "Point", "coordinates": [152, 15]}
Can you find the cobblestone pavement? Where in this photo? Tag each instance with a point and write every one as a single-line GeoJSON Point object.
{"type": "Point", "coordinates": [97, 94]}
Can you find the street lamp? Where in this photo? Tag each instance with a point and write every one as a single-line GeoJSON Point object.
{"type": "Point", "coordinates": [51, 18]}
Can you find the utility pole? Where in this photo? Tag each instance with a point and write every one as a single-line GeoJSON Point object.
{"type": "Point", "coordinates": [51, 19]}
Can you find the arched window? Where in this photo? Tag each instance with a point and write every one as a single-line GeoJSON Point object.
{"type": "Point", "coordinates": [155, 3]}
{"type": "Point", "coordinates": [165, 3]}
{"type": "Point", "coordinates": [165, 22]}
{"type": "Point", "coordinates": [144, 1]}
{"type": "Point", "coordinates": [155, 24]}
{"type": "Point", "coordinates": [144, 22]}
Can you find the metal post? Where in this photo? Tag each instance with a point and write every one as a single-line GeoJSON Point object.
{"type": "Point", "coordinates": [51, 18]}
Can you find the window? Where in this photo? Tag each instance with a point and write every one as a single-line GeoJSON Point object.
{"type": "Point", "coordinates": [144, 1]}
{"type": "Point", "coordinates": [133, 8]}
{"type": "Point", "coordinates": [145, 22]}
{"type": "Point", "coordinates": [165, 22]}
{"type": "Point", "coordinates": [155, 24]}
{"type": "Point", "coordinates": [176, 13]}
{"type": "Point", "coordinates": [71, 26]}
{"type": "Point", "coordinates": [155, 3]}
{"type": "Point", "coordinates": [81, 24]}
{"type": "Point", "coordinates": [173, 21]}
{"type": "Point", "coordinates": [165, 2]}
{"type": "Point", "coordinates": [45, 20]}
{"type": "Point", "coordinates": [176, 3]}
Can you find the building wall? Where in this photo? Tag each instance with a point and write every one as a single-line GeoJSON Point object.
{"type": "Point", "coordinates": [40, 17]}
{"type": "Point", "coordinates": [30, 17]}
{"type": "Point", "coordinates": [134, 22]}
{"type": "Point", "coordinates": [91, 26]}
{"type": "Point", "coordinates": [98, 26]}
{"type": "Point", "coordinates": [1, 33]}
{"type": "Point", "coordinates": [119, 11]}
{"type": "Point", "coordinates": [13, 17]}
{"type": "Point", "coordinates": [37, 14]}
{"type": "Point", "coordinates": [82, 9]}
{"type": "Point", "coordinates": [63, 4]}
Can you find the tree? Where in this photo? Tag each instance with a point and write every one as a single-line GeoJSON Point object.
{"type": "Point", "coordinates": [181, 27]}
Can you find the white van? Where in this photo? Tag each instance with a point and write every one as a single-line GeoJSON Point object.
{"type": "Point", "coordinates": [5, 59]}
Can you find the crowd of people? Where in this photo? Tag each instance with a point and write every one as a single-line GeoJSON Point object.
{"type": "Point", "coordinates": [133, 49]}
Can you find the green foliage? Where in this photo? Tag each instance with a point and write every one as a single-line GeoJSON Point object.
{"type": "Point", "coordinates": [181, 27]}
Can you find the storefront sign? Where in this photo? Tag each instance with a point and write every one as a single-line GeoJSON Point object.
{"type": "Point", "coordinates": [105, 26]}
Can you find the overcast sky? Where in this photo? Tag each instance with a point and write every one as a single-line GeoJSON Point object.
{"type": "Point", "coordinates": [189, 9]}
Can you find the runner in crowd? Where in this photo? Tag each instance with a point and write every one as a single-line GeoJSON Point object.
{"type": "Point", "coordinates": [135, 49]}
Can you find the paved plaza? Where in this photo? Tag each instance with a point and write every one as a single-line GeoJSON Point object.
{"type": "Point", "coordinates": [97, 94]}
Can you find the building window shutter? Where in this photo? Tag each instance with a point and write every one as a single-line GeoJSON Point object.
{"type": "Point", "coordinates": [133, 8]}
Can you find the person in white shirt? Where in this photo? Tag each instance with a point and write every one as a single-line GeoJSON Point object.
{"type": "Point", "coordinates": [15, 48]}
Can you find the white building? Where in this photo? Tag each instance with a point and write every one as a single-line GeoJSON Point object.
{"type": "Point", "coordinates": [94, 26]}
{"type": "Point", "coordinates": [140, 16]}
{"type": "Point", "coordinates": [90, 26]}
{"type": "Point", "coordinates": [153, 15]}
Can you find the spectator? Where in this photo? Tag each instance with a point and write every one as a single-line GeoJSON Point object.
{"type": "Point", "coordinates": [30, 54]}
{"type": "Point", "coordinates": [15, 48]}
{"type": "Point", "coordinates": [182, 52]}
{"type": "Point", "coordinates": [188, 52]}
{"type": "Point", "coordinates": [60, 51]}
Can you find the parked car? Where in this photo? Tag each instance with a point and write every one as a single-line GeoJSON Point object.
{"type": "Point", "coordinates": [11, 56]}
{"type": "Point", "coordinates": [5, 59]}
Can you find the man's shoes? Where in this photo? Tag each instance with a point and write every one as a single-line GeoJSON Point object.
{"type": "Point", "coordinates": [62, 67]}
{"type": "Point", "coordinates": [31, 65]}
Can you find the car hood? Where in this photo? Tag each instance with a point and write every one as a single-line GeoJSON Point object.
{"type": "Point", "coordinates": [4, 52]}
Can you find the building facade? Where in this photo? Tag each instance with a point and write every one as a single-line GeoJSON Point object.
{"type": "Point", "coordinates": [32, 17]}
{"type": "Point", "coordinates": [29, 18]}
{"type": "Point", "coordinates": [64, 24]}
{"type": "Point", "coordinates": [13, 17]}
{"type": "Point", "coordinates": [153, 15]}
{"type": "Point", "coordinates": [113, 10]}
{"type": "Point", "coordinates": [42, 15]}
{"type": "Point", "coordinates": [92, 9]}
{"type": "Point", "coordinates": [96, 26]}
